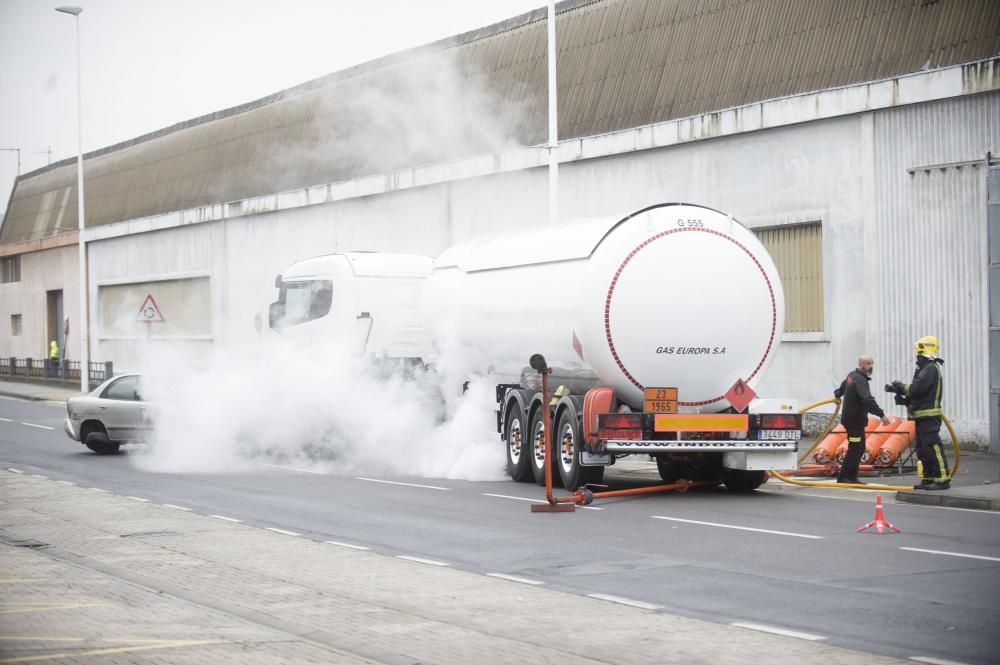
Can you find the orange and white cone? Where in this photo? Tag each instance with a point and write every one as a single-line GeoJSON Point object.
{"type": "Point", "coordinates": [880, 522]}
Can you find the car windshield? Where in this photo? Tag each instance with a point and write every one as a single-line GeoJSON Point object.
{"type": "Point", "coordinates": [305, 301]}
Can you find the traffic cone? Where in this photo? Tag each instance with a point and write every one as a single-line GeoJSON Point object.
{"type": "Point", "coordinates": [880, 522]}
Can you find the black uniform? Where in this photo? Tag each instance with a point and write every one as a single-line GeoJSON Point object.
{"type": "Point", "coordinates": [923, 399]}
{"type": "Point", "coordinates": [858, 403]}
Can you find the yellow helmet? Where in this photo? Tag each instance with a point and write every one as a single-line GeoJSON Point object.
{"type": "Point", "coordinates": [926, 346]}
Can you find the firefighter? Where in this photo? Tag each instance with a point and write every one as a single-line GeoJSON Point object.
{"type": "Point", "coordinates": [858, 403]}
{"type": "Point", "coordinates": [54, 355]}
{"type": "Point", "coordinates": [922, 398]}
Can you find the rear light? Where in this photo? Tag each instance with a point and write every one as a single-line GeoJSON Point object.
{"type": "Point", "coordinates": [619, 421]}
{"type": "Point", "coordinates": [781, 421]}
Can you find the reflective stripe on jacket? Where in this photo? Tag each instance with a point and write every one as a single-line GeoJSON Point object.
{"type": "Point", "coordinates": [924, 393]}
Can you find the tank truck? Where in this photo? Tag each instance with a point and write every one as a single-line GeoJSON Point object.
{"type": "Point", "coordinates": [657, 326]}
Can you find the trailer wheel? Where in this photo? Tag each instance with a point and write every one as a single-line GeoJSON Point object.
{"type": "Point", "coordinates": [567, 445]}
{"type": "Point", "coordinates": [537, 449]}
{"type": "Point", "coordinates": [743, 481]}
{"type": "Point", "coordinates": [101, 444]}
{"type": "Point", "coordinates": [518, 446]}
{"type": "Point", "coordinates": [670, 470]}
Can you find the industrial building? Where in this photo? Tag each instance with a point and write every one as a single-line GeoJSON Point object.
{"type": "Point", "coordinates": [856, 138]}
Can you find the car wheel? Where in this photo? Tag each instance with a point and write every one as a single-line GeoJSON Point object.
{"type": "Point", "coordinates": [101, 444]}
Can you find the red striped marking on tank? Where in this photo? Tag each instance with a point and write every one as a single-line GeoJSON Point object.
{"type": "Point", "coordinates": [621, 268]}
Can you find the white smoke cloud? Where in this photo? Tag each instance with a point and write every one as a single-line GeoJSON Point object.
{"type": "Point", "coordinates": [319, 407]}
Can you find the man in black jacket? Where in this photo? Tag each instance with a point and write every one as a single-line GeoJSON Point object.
{"type": "Point", "coordinates": [923, 401]}
{"type": "Point", "coordinates": [858, 403]}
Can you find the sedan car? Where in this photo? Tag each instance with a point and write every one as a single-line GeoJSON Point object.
{"type": "Point", "coordinates": [111, 415]}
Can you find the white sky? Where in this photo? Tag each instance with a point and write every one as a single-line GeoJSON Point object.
{"type": "Point", "coordinates": [149, 64]}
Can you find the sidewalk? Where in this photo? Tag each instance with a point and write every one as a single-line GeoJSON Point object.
{"type": "Point", "coordinates": [90, 574]}
{"type": "Point", "coordinates": [975, 486]}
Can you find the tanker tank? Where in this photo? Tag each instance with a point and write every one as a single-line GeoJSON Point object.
{"type": "Point", "coordinates": [674, 295]}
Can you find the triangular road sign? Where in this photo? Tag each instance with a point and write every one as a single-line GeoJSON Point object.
{"type": "Point", "coordinates": [149, 312]}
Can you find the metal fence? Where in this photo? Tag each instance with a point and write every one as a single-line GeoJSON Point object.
{"type": "Point", "coordinates": [43, 370]}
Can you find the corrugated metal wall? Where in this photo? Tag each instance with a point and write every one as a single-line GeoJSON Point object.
{"type": "Point", "coordinates": [930, 250]}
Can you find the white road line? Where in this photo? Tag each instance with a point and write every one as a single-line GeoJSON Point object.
{"type": "Point", "coordinates": [12, 470]}
{"type": "Point", "coordinates": [228, 519]}
{"type": "Point", "coordinates": [779, 631]}
{"type": "Point", "coordinates": [347, 545]}
{"type": "Point", "coordinates": [934, 661]}
{"type": "Point", "coordinates": [137, 498]}
{"type": "Point", "coordinates": [295, 468]}
{"type": "Point", "coordinates": [967, 556]}
{"type": "Point", "coordinates": [98, 489]}
{"type": "Point", "coordinates": [66, 482]}
{"type": "Point", "coordinates": [390, 482]}
{"type": "Point", "coordinates": [515, 578]}
{"type": "Point", "coordinates": [524, 498]}
{"type": "Point", "coordinates": [38, 426]}
{"type": "Point", "coordinates": [624, 601]}
{"type": "Point", "coordinates": [741, 528]}
{"type": "Point", "coordinates": [170, 505]}
{"type": "Point", "coordinates": [282, 531]}
{"type": "Point", "coordinates": [6, 420]}
{"type": "Point", "coordinates": [35, 475]}
{"type": "Point", "coordinates": [416, 559]}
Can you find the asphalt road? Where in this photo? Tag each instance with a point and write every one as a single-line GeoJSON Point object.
{"type": "Point", "coordinates": [782, 559]}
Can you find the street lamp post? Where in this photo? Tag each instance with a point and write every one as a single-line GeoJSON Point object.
{"type": "Point", "coordinates": [84, 342]}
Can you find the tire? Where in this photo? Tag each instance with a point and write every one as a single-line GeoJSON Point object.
{"type": "Point", "coordinates": [518, 446]}
{"type": "Point", "coordinates": [743, 481]}
{"type": "Point", "coordinates": [670, 470]}
{"type": "Point", "coordinates": [101, 444]}
{"type": "Point", "coordinates": [567, 445]}
{"type": "Point", "coordinates": [537, 449]}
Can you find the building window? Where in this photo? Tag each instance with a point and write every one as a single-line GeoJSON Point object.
{"type": "Point", "coordinates": [10, 267]}
{"type": "Point", "coordinates": [797, 251]}
{"type": "Point", "coordinates": [15, 325]}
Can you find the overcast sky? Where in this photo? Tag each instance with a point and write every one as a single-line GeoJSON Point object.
{"type": "Point", "coordinates": [148, 65]}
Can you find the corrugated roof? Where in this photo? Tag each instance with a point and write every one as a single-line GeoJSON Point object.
{"type": "Point", "coordinates": [622, 64]}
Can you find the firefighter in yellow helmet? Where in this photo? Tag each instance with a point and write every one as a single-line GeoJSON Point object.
{"type": "Point", "coordinates": [922, 398]}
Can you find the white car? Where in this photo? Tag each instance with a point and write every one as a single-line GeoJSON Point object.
{"type": "Point", "coordinates": [113, 414]}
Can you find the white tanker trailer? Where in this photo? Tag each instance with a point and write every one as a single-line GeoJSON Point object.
{"type": "Point", "coordinates": [655, 323]}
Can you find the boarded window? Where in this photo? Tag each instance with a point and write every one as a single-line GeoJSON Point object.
{"type": "Point", "coordinates": [10, 269]}
{"type": "Point", "coordinates": [184, 307]}
{"type": "Point", "coordinates": [798, 252]}
{"type": "Point", "coordinates": [15, 325]}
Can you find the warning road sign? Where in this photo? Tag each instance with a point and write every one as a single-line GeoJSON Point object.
{"type": "Point", "coordinates": [149, 312]}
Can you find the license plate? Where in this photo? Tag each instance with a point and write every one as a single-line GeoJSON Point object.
{"type": "Point", "coordinates": [631, 434]}
{"type": "Point", "coordinates": [769, 434]}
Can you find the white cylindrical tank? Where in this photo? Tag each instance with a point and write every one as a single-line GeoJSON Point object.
{"type": "Point", "coordinates": [675, 295]}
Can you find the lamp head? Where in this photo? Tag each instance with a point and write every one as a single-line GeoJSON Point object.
{"type": "Point", "coordinates": [75, 11]}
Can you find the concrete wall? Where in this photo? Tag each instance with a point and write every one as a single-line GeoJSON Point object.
{"type": "Point", "coordinates": [41, 271]}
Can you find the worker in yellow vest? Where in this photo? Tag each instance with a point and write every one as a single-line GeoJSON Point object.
{"type": "Point", "coordinates": [54, 354]}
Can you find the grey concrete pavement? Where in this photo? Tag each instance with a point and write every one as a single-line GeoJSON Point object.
{"type": "Point", "coordinates": [92, 577]}
{"type": "Point", "coordinates": [49, 392]}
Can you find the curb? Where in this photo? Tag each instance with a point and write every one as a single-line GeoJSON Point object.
{"type": "Point", "coordinates": [35, 398]}
{"type": "Point", "coordinates": [948, 501]}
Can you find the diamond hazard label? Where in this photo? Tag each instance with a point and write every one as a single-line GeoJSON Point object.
{"type": "Point", "coordinates": [740, 395]}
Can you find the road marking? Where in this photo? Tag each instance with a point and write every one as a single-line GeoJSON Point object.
{"type": "Point", "coordinates": [228, 519]}
{"type": "Point", "coordinates": [6, 420]}
{"type": "Point", "coordinates": [14, 470]}
{"type": "Point", "coordinates": [967, 556]}
{"type": "Point", "coordinates": [282, 531]}
{"type": "Point", "coordinates": [98, 489]}
{"type": "Point", "coordinates": [935, 661]}
{"type": "Point", "coordinates": [294, 468]}
{"type": "Point", "coordinates": [624, 601]}
{"type": "Point", "coordinates": [524, 498]}
{"type": "Point", "coordinates": [515, 578]}
{"type": "Point", "coordinates": [170, 505]}
{"type": "Point", "coordinates": [66, 482]}
{"type": "Point", "coordinates": [741, 528]}
{"type": "Point", "coordinates": [779, 631]}
{"type": "Point", "coordinates": [48, 607]}
{"type": "Point", "coordinates": [35, 475]}
{"type": "Point", "coordinates": [20, 580]}
{"type": "Point", "coordinates": [429, 562]}
{"type": "Point", "coordinates": [347, 545]}
{"type": "Point", "coordinates": [165, 644]}
{"type": "Point", "coordinates": [137, 498]}
{"type": "Point", "coordinates": [390, 482]}
{"type": "Point", "coordinates": [38, 426]}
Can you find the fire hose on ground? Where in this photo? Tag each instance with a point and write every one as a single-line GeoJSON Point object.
{"type": "Point", "coordinates": [872, 486]}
